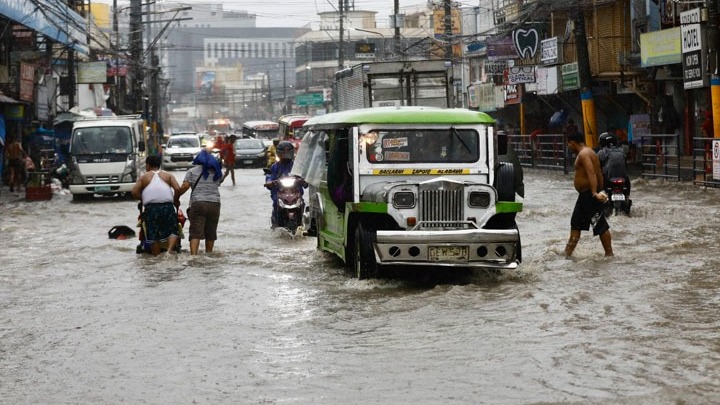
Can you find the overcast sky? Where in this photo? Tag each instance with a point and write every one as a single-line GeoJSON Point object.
{"type": "Point", "coordinates": [298, 13]}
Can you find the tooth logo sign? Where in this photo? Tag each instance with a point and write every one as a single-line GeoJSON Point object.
{"type": "Point", "coordinates": [526, 42]}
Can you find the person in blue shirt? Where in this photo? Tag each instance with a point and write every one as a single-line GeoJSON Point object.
{"type": "Point", "coordinates": [285, 152]}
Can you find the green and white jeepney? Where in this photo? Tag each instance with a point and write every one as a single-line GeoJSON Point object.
{"type": "Point", "coordinates": [417, 186]}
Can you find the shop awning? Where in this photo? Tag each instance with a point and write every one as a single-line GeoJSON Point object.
{"type": "Point", "coordinates": [52, 18]}
{"type": "Point", "coordinates": [7, 100]}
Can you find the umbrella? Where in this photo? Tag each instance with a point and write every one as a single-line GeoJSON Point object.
{"type": "Point", "coordinates": [558, 119]}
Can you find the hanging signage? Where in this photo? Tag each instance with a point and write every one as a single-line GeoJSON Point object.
{"type": "Point", "coordinates": [513, 94]}
{"type": "Point", "coordinates": [550, 51]}
{"type": "Point", "coordinates": [27, 81]}
{"type": "Point", "coordinates": [521, 74]}
{"type": "Point", "coordinates": [693, 55]}
{"type": "Point", "coordinates": [364, 50]}
{"type": "Point", "coordinates": [660, 48]}
{"type": "Point", "coordinates": [494, 67]}
{"type": "Point", "coordinates": [547, 80]}
{"type": "Point", "coordinates": [501, 48]}
{"type": "Point", "coordinates": [92, 72]}
{"type": "Point", "coordinates": [526, 42]}
{"type": "Point", "coordinates": [570, 76]}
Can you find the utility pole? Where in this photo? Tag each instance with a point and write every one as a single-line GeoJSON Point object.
{"type": "Point", "coordinates": [341, 49]}
{"type": "Point", "coordinates": [396, 36]}
{"type": "Point", "coordinates": [137, 76]}
{"type": "Point", "coordinates": [714, 64]}
{"type": "Point", "coordinates": [71, 85]}
{"type": "Point", "coordinates": [586, 96]}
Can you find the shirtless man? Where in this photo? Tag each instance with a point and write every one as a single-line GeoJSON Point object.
{"type": "Point", "coordinates": [589, 206]}
{"type": "Point", "coordinates": [157, 190]}
{"type": "Point", "coordinates": [15, 155]}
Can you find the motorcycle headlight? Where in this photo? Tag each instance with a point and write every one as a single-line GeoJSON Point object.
{"type": "Point", "coordinates": [404, 199]}
{"type": "Point", "coordinates": [287, 182]}
{"type": "Point", "coordinates": [479, 199]}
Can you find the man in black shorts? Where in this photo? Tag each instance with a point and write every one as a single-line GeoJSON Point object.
{"type": "Point", "coordinates": [589, 206]}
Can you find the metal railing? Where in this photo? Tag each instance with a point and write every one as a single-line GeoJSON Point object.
{"type": "Point", "coordinates": [702, 159]}
{"type": "Point", "coordinates": [659, 155]}
{"type": "Point", "coordinates": [546, 151]}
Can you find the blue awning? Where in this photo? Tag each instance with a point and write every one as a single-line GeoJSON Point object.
{"type": "Point", "coordinates": [51, 18]}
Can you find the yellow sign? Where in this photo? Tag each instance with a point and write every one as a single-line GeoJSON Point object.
{"type": "Point", "coordinates": [398, 172]}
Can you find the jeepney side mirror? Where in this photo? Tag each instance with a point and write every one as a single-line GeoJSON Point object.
{"type": "Point", "coordinates": [141, 146]}
{"type": "Point", "coordinates": [502, 142]}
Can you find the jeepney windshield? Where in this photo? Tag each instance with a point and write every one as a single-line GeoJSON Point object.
{"type": "Point", "coordinates": [422, 146]}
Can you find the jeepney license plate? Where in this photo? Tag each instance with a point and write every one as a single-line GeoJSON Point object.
{"type": "Point", "coordinates": [247, 162]}
{"type": "Point", "coordinates": [448, 253]}
{"type": "Point", "coordinates": [618, 197]}
{"type": "Point", "coordinates": [102, 189]}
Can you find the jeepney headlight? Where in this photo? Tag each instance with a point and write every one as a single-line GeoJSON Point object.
{"type": "Point", "coordinates": [479, 199]}
{"type": "Point", "coordinates": [404, 199]}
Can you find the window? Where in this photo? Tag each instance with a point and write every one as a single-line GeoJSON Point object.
{"type": "Point", "coordinates": [424, 146]}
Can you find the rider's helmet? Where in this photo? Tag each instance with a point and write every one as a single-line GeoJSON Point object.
{"type": "Point", "coordinates": [606, 139]}
{"type": "Point", "coordinates": [285, 150]}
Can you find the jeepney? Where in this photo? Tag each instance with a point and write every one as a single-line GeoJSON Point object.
{"type": "Point", "coordinates": [410, 186]}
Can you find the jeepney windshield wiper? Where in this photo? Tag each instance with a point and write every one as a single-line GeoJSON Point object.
{"type": "Point", "coordinates": [459, 138]}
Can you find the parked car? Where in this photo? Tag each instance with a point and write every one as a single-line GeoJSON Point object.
{"type": "Point", "coordinates": [250, 152]}
{"type": "Point", "coordinates": [180, 151]}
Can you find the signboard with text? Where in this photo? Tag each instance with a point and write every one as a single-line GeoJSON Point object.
{"type": "Point", "coordinates": [309, 99]}
{"type": "Point", "coordinates": [693, 56]}
{"type": "Point", "coordinates": [550, 51]}
{"type": "Point", "coordinates": [570, 76]}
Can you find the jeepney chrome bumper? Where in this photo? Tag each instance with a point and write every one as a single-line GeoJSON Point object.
{"type": "Point", "coordinates": [477, 248]}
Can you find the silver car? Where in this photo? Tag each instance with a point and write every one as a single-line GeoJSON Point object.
{"type": "Point", "coordinates": [180, 151]}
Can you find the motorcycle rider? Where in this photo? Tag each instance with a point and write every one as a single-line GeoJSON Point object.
{"type": "Point", "coordinates": [285, 152]}
{"type": "Point", "coordinates": [612, 162]}
{"type": "Point", "coordinates": [271, 152]}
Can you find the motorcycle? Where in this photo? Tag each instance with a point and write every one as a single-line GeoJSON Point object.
{"type": "Point", "coordinates": [619, 201]}
{"type": "Point", "coordinates": [290, 204]}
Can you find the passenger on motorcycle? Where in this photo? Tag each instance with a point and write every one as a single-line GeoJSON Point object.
{"type": "Point", "coordinates": [285, 152]}
{"type": "Point", "coordinates": [612, 162]}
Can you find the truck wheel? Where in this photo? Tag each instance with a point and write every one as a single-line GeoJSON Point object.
{"type": "Point", "coordinates": [365, 265]}
{"type": "Point", "coordinates": [504, 182]}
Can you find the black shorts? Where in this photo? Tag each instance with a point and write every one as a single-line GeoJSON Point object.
{"type": "Point", "coordinates": [586, 208]}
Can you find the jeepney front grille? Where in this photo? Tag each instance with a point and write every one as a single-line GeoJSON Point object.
{"type": "Point", "coordinates": [441, 208]}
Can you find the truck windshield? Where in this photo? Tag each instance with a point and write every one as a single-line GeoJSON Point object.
{"type": "Point", "coordinates": [100, 140]}
{"type": "Point", "coordinates": [424, 146]}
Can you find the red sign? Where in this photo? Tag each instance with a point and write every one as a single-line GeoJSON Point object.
{"type": "Point", "coordinates": [27, 81]}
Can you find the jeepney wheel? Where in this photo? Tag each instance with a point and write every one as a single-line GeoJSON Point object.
{"type": "Point", "coordinates": [365, 265]}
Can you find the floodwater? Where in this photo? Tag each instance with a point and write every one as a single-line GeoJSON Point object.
{"type": "Point", "coordinates": [268, 320]}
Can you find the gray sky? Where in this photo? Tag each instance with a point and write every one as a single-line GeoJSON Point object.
{"type": "Point", "coordinates": [298, 13]}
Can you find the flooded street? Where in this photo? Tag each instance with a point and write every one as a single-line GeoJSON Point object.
{"type": "Point", "coordinates": [269, 320]}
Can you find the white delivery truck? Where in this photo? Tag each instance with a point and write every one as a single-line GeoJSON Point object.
{"type": "Point", "coordinates": [107, 154]}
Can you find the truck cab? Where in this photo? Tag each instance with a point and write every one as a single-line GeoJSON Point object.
{"type": "Point", "coordinates": [107, 154]}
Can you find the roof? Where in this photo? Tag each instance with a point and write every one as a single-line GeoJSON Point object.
{"type": "Point", "coordinates": [403, 115]}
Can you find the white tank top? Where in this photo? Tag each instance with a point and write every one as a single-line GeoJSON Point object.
{"type": "Point", "coordinates": [158, 191]}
